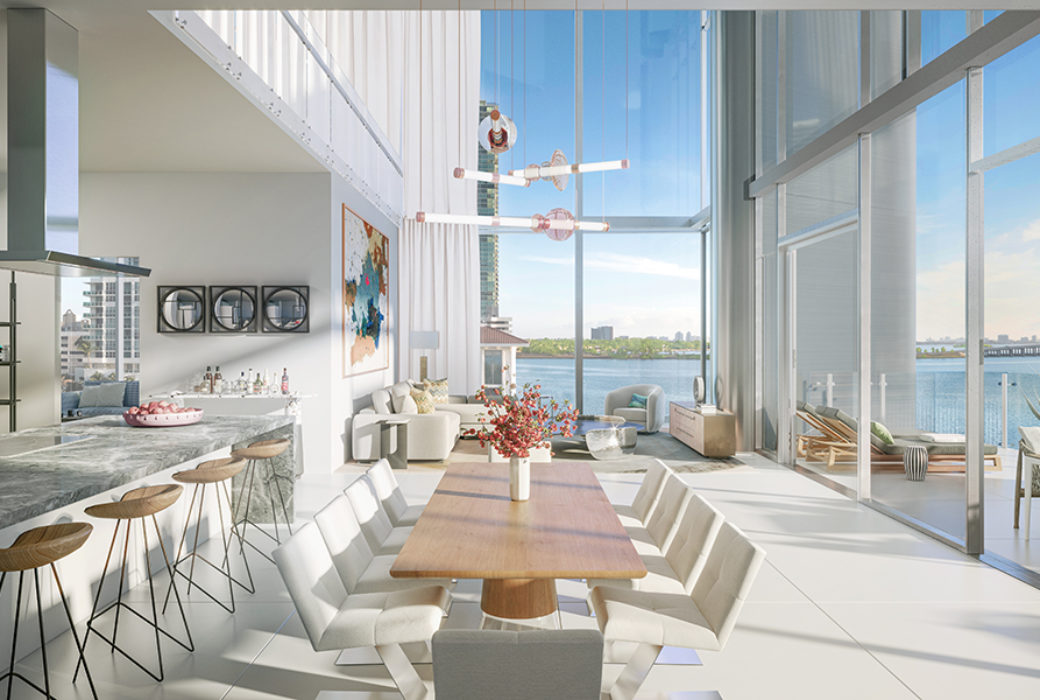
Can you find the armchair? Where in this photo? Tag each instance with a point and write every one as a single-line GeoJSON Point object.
{"type": "Point", "coordinates": [652, 417]}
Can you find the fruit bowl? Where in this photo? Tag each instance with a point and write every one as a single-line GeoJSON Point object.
{"type": "Point", "coordinates": [163, 420]}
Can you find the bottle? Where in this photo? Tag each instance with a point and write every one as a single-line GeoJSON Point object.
{"type": "Point", "coordinates": [207, 380]}
{"type": "Point", "coordinates": [218, 382]}
{"type": "Point", "coordinates": [264, 384]}
{"type": "Point", "coordinates": [285, 380]}
{"type": "Point", "coordinates": [258, 384]}
{"type": "Point", "coordinates": [242, 386]}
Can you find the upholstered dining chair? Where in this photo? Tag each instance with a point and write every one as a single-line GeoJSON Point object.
{"type": "Point", "coordinates": [509, 665]}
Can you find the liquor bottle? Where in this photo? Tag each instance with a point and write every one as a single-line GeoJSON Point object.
{"type": "Point", "coordinates": [207, 379]}
{"type": "Point", "coordinates": [264, 384]}
{"type": "Point", "coordinates": [242, 387]}
{"type": "Point", "coordinates": [258, 384]}
{"type": "Point", "coordinates": [285, 380]}
{"type": "Point", "coordinates": [218, 382]}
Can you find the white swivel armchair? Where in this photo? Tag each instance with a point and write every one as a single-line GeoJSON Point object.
{"type": "Point", "coordinates": [335, 620]}
{"type": "Point", "coordinates": [651, 417]}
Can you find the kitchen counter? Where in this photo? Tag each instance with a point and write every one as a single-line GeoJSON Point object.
{"type": "Point", "coordinates": [112, 454]}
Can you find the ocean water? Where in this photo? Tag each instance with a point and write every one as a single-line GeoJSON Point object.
{"type": "Point", "coordinates": [940, 383]}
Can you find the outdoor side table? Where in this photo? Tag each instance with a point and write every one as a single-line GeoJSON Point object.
{"type": "Point", "coordinates": [398, 458]}
{"type": "Point", "coordinates": [915, 462]}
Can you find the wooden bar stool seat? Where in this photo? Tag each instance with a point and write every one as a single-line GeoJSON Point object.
{"type": "Point", "coordinates": [33, 550]}
{"type": "Point", "coordinates": [215, 473]}
{"type": "Point", "coordinates": [140, 505]}
{"type": "Point", "coordinates": [262, 451]}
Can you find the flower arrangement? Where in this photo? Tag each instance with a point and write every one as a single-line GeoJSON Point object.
{"type": "Point", "coordinates": [517, 423]}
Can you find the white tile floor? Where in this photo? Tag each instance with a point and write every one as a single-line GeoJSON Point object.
{"type": "Point", "coordinates": [850, 604]}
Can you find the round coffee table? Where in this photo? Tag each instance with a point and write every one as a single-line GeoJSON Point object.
{"type": "Point", "coordinates": [602, 435]}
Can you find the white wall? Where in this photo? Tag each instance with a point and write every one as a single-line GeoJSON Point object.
{"type": "Point", "coordinates": [238, 228]}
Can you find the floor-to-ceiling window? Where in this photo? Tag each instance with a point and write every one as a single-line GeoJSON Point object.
{"type": "Point", "coordinates": [939, 258]}
{"type": "Point", "coordinates": [602, 310]}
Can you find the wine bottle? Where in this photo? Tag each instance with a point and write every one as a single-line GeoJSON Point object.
{"type": "Point", "coordinates": [285, 380]}
{"type": "Point", "coordinates": [218, 382]}
{"type": "Point", "coordinates": [258, 384]}
{"type": "Point", "coordinates": [207, 379]}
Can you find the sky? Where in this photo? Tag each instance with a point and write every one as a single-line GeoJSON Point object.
{"type": "Point", "coordinates": [649, 284]}
{"type": "Point", "coordinates": [641, 284]}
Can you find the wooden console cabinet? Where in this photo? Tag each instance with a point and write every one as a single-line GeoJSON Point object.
{"type": "Point", "coordinates": [711, 435]}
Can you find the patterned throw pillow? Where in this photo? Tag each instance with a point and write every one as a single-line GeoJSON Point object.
{"type": "Point", "coordinates": [438, 389]}
{"type": "Point", "coordinates": [638, 401]}
{"type": "Point", "coordinates": [423, 400]}
{"type": "Point", "coordinates": [881, 432]}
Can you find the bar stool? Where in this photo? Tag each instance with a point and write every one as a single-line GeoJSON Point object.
{"type": "Point", "coordinates": [34, 549]}
{"type": "Point", "coordinates": [215, 473]}
{"type": "Point", "coordinates": [137, 504]}
{"type": "Point", "coordinates": [263, 450]}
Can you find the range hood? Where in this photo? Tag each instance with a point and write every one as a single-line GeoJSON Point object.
{"type": "Point", "coordinates": [43, 150]}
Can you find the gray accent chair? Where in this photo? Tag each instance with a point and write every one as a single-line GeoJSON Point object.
{"type": "Point", "coordinates": [508, 665]}
{"type": "Point", "coordinates": [651, 417]}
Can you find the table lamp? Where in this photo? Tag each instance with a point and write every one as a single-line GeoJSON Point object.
{"type": "Point", "coordinates": [424, 340]}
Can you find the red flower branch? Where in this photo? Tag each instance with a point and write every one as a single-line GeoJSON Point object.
{"type": "Point", "coordinates": [516, 424]}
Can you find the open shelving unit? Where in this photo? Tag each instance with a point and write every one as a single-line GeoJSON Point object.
{"type": "Point", "coordinates": [11, 363]}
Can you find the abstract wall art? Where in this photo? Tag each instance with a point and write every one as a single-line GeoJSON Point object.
{"type": "Point", "coordinates": [366, 299]}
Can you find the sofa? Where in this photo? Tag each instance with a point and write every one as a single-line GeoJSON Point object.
{"type": "Point", "coordinates": [431, 436]}
{"type": "Point", "coordinates": [651, 417]}
{"type": "Point", "coordinates": [70, 400]}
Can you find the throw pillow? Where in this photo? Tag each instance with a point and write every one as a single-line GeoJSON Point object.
{"type": "Point", "coordinates": [423, 400]}
{"type": "Point", "coordinates": [405, 404]}
{"type": "Point", "coordinates": [881, 432]}
{"type": "Point", "coordinates": [438, 389]}
{"type": "Point", "coordinates": [638, 401]}
{"type": "Point", "coordinates": [103, 395]}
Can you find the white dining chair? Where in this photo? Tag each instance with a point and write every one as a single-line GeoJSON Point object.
{"type": "Point", "coordinates": [335, 619]}
{"type": "Point", "coordinates": [664, 518]}
{"type": "Point", "coordinates": [360, 570]}
{"type": "Point", "coordinates": [704, 619]}
{"type": "Point", "coordinates": [388, 491]}
{"type": "Point", "coordinates": [646, 497]}
{"type": "Point", "coordinates": [379, 531]}
{"type": "Point", "coordinates": [511, 665]}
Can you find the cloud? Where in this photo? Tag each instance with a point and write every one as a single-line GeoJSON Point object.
{"type": "Point", "coordinates": [624, 264]}
{"type": "Point", "coordinates": [1031, 231]}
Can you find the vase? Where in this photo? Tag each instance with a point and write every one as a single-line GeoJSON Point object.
{"type": "Point", "coordinates": [519, 478]}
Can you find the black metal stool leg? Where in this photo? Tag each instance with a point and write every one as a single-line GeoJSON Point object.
{"type": "Point", "coordinates": [97, 601]}
{"type": "Point", "coordinates": [184, 618]}
{"type": "Point", "coordinates": [245, 521]}
{"type": "Point", "coordinates": [122, 581]}
{"type": "Point", "coordinates": [14, 641]}
{"type": "Point", "coordinates": [180, 547]}
{"type": "Point", "coordinates": [72, 628]}
{"type": "Point", "coordinates": [43, 637]}
{"type": "Point", "coordinates": [242, 547]}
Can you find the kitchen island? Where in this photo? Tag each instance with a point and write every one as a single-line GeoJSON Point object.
{"type": "Point", "coordinates": [50, 475]}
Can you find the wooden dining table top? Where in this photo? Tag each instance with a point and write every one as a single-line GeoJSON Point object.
{"type": "Point", "coordinates": [471, 528]}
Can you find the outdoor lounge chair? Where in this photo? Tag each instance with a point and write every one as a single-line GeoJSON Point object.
{"type": "Point", "coordinates": [838, 445]}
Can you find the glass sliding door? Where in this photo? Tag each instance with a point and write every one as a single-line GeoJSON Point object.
{"type": "Point", "coordinates": [918, 363]}
{"type": "Point", "coordinates": [822, 286]}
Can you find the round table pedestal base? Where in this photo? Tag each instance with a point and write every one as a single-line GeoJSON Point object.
{"type": "Point", "coordinates": [518, 598]}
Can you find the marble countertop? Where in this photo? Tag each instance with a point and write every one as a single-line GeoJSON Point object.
{"type": "Point", "coordinates": [115, 454]}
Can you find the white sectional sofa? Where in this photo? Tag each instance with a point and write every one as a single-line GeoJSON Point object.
{"type": "Point", "coordinates": [431, 436]}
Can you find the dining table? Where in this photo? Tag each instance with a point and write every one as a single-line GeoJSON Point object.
{"type": "Point", "coordinates": [471, 529]}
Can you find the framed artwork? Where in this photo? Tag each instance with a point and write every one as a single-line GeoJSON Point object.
{"type": "Point", "coordinates": [366, 297]}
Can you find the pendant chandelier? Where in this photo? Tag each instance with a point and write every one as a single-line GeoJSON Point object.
{"type": "Point", "coordinates": [497, 134]}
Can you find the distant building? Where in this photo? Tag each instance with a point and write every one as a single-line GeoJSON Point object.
{"type": "Point", "coordinates": [502, 323]}
{"type": "Point", "coordinates": [487, 205]}
{"type": "Point", "coordinates": [1003, 339]}
{"type": "Point", "coordinates": [73, 349]}
{"type": "Point", "coordinates": [498, 356]}
{"type": "Point", "coordinates": [678, 336]}
{"type": "Point", "coordinates": [114, 318]}
{"type": "Point", "coordinates": [603, 333]}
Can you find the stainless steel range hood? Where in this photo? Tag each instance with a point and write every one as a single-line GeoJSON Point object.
{"type": "Point", "coordinates": [43, 150]}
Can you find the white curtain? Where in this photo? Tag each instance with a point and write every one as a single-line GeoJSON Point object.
{"type": "Point", "coordinates": [428, 103]}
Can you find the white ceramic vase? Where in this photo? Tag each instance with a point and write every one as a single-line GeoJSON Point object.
{"type": "Point", "coordinates": [519, 478]}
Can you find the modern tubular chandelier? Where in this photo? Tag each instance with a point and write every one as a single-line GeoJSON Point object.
{"type": "Point", "coordinates": [497, 133]}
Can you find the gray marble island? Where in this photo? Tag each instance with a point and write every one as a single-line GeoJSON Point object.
{"type": "Point", "coordinates": [51, 475]}
{"type": "Point", "coordinates": [103, 453]}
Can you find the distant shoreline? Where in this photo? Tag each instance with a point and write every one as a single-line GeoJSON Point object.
{"type": "Point", "coordinates": [526, 356]}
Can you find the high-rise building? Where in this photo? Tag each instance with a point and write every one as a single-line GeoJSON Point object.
{"type": "Point", "coordinates": [487, 205]}
{"type": "Point", "coordinates": [114, 316]}
{"type": "Point", "coordinates": [603, 333]}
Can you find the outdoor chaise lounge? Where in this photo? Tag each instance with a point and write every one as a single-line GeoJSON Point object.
{"type": "Point", "coordinates": [836, 444]}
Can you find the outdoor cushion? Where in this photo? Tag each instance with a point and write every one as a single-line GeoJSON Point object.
{"type": "Point", "coordinates": [827, 411]}
{"type": "Point", "coordinates": [942, 437]}
{"type": "Point", "coordinates": [102, 395]}
{"type": "Point", "coordinates": [881, 432]}
{"type": "Point", "coordinates": [1030, 438]}
{"type": "Point", "coordinates": [899, 446]}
